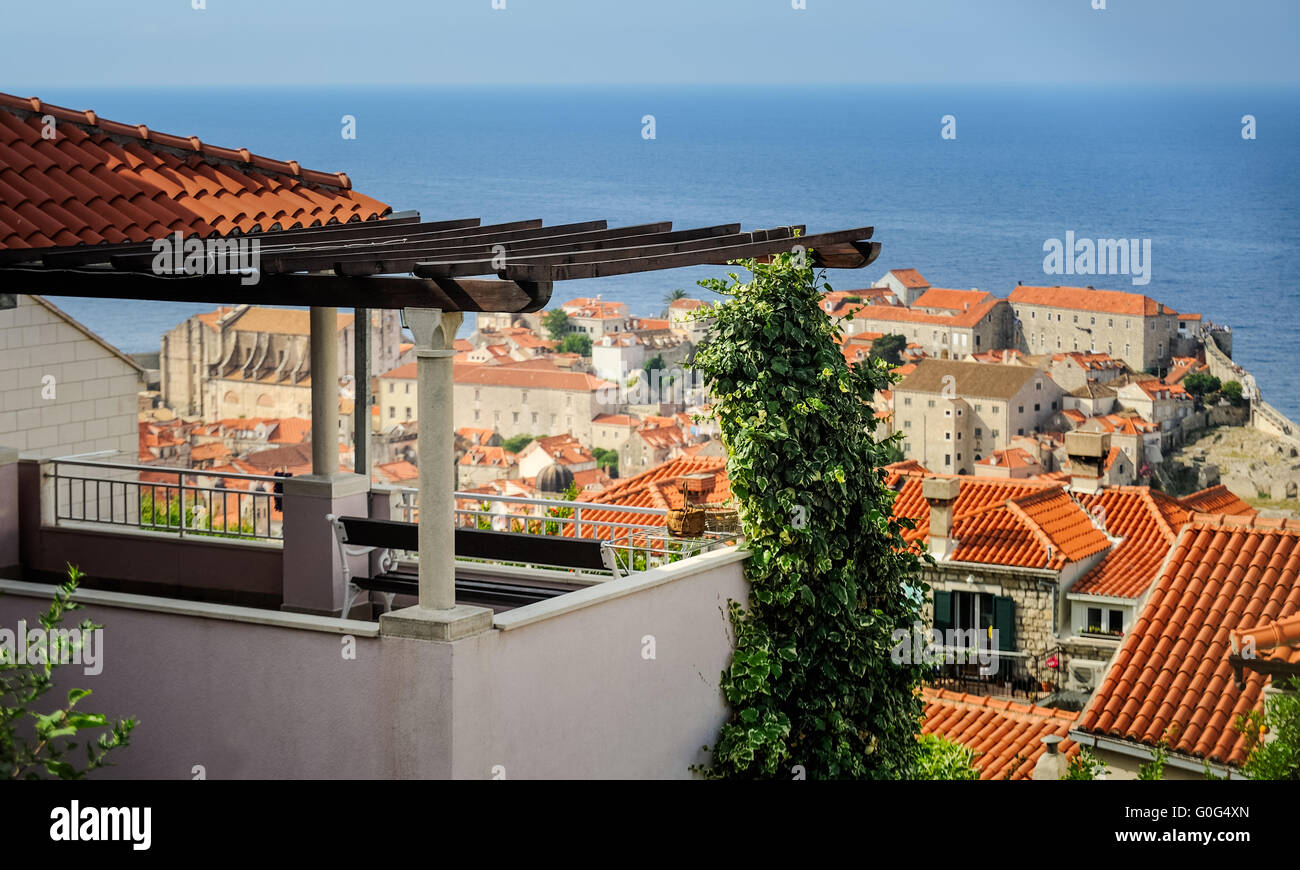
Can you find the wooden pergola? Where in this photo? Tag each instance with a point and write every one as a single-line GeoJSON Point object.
{"type": "Point", "coordinates": [401, 262]}
{"type": "Point", "coordinates": [434, 272]}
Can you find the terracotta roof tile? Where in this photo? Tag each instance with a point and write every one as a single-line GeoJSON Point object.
{"type": "Point", "coordinates": [657, 488]}
{"type": "Point", "coordinates": [951, 300]}
{"type": "Point", "coordinates": [1217, 500]}
{"type": "Point", "coordinates": [1147, 522]}
{"type": "Point", "coordinates": [1007, 737]}
{"type": "Point", "coordinates": [1172, 675]}
{"type": "Point", "coordinates": [909, 278]}
{"type": "Point", "coordinates": [101, 181]}
{"type": "Point", "coordinates": [1083, 299]}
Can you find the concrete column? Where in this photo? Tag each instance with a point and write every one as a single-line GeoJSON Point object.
{"type": "Point", "coordinates": [437, 616]}
{"type": "Point", "coordinates": [324, 391]}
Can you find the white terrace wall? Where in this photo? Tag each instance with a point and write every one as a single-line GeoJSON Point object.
{"type": "Point", "coordinates": [561, 689]}
{"type": "Point", "coordinates": [565, 689]}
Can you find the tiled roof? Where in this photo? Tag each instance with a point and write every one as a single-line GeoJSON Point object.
{"type": "Point", "coordinates": [1007, 737]}
{"type": "Point", "coordinates": [615, 420]}
{"type": "Point", "coordinates": [1217, 500]}
{"type": "Point", "coordinates": [1173, 668]}
{"type": "Point", "coordinates": [657, 488]}
{"type": "Point", "coordinates": [909, 278]}
{"type": "Point", "coordinates": [1083, 299]}
{"type": "Point", "coordinates": [1147, 521]}
{"type": "Point", "coordinates": [899, 314]}
{"type": "Point", "coordinates": [564, 449]}
{"type": "Point", "coordinates": [1012, 457]}
{"type": "Point", "coordinates": [1008, 355]}
{"type": "Point", "coordinates": [978, 380]}
{"type": "Point", "coordinates": [475, 435]}
{"type": "Point", "coordinates": [481, 456]}
{"type": "Point", "coordinates": [528, 377]}
{"type": "Point", "coordinates": [101, 181]}
{"type": "Point", "coordinates": [1276, 641]}
{"type": "Point", "coordinates": [1004, 521]}
{"type": "Point", "coordinates": [951, 300]}
{"type": "Point", "coordinates": [396, 472]}
{"type": "Point", "coordinates": [687, 304]}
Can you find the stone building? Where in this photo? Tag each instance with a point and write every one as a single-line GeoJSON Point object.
{"type": "Point", "coordinates": [953, 414]}
{"type": "Point", "coordinates": [248, 361]}
{"type": "Point", "coordinates": [1127, 326]}
{"type": "Point", "coordinates": [529, 399]}
{"type": "Point", "coordinates": [66, 390]}
{"type": "Point", "coordinates": [956, 324]}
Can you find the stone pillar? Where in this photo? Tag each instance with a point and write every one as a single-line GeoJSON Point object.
{"type": "Point", "coordinates": [313, 576]}
{"type": "Point", "coordinates": [437, 616]}
{"type": "Point", "coordinates": [324, 391]}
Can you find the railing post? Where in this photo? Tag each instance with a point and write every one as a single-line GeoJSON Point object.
{"type": "Point", "coordinates": [180, 493]}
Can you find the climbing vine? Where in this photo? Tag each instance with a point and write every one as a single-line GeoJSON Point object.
{"type": "Point", "coordinates": [812, 687]}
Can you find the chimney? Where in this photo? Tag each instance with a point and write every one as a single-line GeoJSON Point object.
{"type": "Point", "coordinates": [696, 487]}
{"type": "Point", "coordinates": [1087, 452]}
{"type": "Point", "coordinates": [1051, 764]}
{"type": "Point", "coordinates": [941, 495]}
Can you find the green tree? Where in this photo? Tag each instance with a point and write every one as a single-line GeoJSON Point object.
{"type": "Point", "coordinates": [655, 363]}
{"type": "Point", "coordinates": [517, 443]}
{"type": "Point", "coordinates": [1279, 758]}
{"type": "Point", "coordinates": [889, 348]}
{"type": "Point", "coordinates": [1201, 383]}
{"type": "Point", "coordinates": [812, 682]}
{"type": "Point", "coordinates": [941, 758]}
{"type": "Point", "coordinates": [576, 342]}
{"type": "Point", "coordinates": [1232, 391]}
{"type": "Point", "coordinates": [51, 752]}
{"type": "Point", "coordinates": [556, 324]}
{"type": "Point", "coordinates": [606, 459]}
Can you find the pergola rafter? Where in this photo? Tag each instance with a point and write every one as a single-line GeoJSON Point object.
{"type": "Point", "coordinates": [401, 262]}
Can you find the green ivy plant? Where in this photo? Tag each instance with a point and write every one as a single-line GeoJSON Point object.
{"type": "Point", "coordinates": [811, 686]}
{"type": "Point", "coordinates": [49, 750]}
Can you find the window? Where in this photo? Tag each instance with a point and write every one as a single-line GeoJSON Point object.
{"type": "Point", "coordinates": [947, 459]}
{"type": "Point", "coordinates": [907, 400]}
{"type": "Point", "coordinates": [523, 397]}
{"type": "Point", "coordinates": [959, 438]}
{"type": "Point", "coordinates": [959, 457]}
{"type": "Point", "coordinates": [947, 412]}
{"type": "Point", "coordinates": [392, 387]}
{"type": "Point", "coordinates": [515, 418]}
{"type": "Point", "coordinates": [476, 416]}
{"type": "Point", "coordinates": [408, 388]}
{"type": "Point", "coordinates": [947, 436]}
{"type": "Point", "coordinates": [392, 412]}
{"type": "Point", "coordinates": [476, 392]}
{"type": "Point", "coordinates": [977, 341]}
{"type": "Point", "coordinates": [907, 424]}
{"type": "Point", "coordinates": [930, 403]}
{"type": "Point", "coordinates": [534, 416]}
{"type": "Point", "coordinates": [408, 413]}
{"type": "Point", "coordinates": [1036, 407]}
{"type": "Point", "coordinates": [1038, 385]}
{"type": "Point", "coordinates": [979, 433]}
{"type": "Point", "coordinates": [979, 408]}
{"type": "Point", "coordinates": [1110, 322]}
{"type": "Point", "coordinates": [1092, 321]}
{"type": "Point", "coordinates": [1020, 431]}
{"type": "Point", "coordinates": [1053, 404]}
{"type": "Point", "coordinates": [1022, 409]}
{"type": "Point", "coordinates": [995, 433]}
{"type": "Point", "coordinates": [995, 409]}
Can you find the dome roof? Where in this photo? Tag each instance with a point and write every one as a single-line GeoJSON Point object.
{"type": "Point", "coordinates": [554, 478]}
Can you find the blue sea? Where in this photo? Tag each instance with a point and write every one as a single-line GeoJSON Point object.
{"type": "Point", "coordinates": [1027, 165]}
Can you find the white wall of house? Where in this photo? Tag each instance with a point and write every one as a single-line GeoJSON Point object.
{"type": "Point", "coordinates": [64, 390]}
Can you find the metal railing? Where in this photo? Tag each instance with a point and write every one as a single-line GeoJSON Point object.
{"type": "Point", "coordinates": [638, 546]}
{"type": "Point", "coordinates": [181, 501]}
{"type": "Point", "coordinates": [1014, 674]}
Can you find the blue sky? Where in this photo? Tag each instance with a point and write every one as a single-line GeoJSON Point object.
{"type": "Point", "coordinates": [86, 43]}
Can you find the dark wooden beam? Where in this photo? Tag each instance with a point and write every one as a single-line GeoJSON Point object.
{"type": "Point", "coordinates": [582, 266]}
{"type": "Point", "coordinates": [629, 253]}
{"type": "Point", "coordinates": [489, 295]}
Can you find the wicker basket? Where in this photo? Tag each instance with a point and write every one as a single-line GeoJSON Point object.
{"type": "Point", "coordinates": [722, 520]}
{"type": "Point", "coordinates": [686, 522]}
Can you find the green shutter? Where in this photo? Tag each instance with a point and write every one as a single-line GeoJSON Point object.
{"type": "Point", "coordinates": [942, 610]}
{"type": "Point", "coordinates": [1004, 622]}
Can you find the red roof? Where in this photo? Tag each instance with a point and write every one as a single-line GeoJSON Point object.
{"type": "Point", "coordinates": [1217, 500]}
{"type": "Point", "coordinates": [1172, 676]}
{"type": "Point", "coordinates": [657, 488]}
{"type": "Point", "coordinates": [1083, 299]}
{"type": "Point", "coordinates": [951, 300]}
{"type": "Point", "coordinates": [909, 278]}
{"type": "Point", "coordinates": [101, 181]}
{"type": "Point", "coordinates": [1147, 521]}
{"type": "Point", "coordinates": [526, 377]}
{"type": "Point", "coordinates": [1007, 737]}
{"type": "Point", "coordinates": [899, 314]}
{"type": "Point", "coordinates": [1004, 521]}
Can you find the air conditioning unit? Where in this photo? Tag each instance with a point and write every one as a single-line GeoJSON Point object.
{"type": "Point", "coordinates": [1084, 675]}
